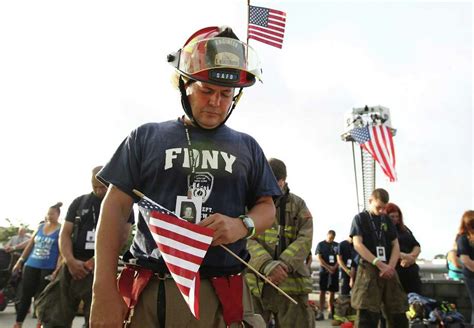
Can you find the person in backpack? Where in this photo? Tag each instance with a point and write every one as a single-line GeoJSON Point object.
{"type": "Point", "coordinates": [282, 257]}
{"type": "Point", "coordinates": [377, 285]}
{"type": "Point", "coordinates": [196, 156]}
{"type": "Point", "coordinates": [39, 259]}
{"type": "Point", "coordinates": [77, 246]}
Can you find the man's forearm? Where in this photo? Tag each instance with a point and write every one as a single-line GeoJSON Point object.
{"type": "Point", "coordinates": [109, 241]}
{"type": "Point", "coordinates": [263, 214]}
{"type": "Point", "coordinates": [65, 246]}
{"type": "Point", "coordinates": [362, 250]}
{"type": "Point", "coordinates": [395, 254]}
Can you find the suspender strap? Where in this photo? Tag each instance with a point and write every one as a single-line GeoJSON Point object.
{"type": "Point", "coordinates": [281, 227]}
{"type": "Point", "coordinates": [229, 290]}
{"type": "Point", "coordinates": [161, 304]}
{"type": "Point", "coordinates": [131, 283]}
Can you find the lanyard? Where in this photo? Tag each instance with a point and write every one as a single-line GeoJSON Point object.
{"type": "Point", "coordinates": [94, 217]}
{"type": "Point", "coordinates": [192, 160]}
{"type": "Point", "coordinates": [380, 236]}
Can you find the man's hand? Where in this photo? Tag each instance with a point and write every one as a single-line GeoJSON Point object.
{"type": "Point", "coordinates": [77, 269]}
{"type": "Point", "coordinates": [108, 309]}
{"type": "Point", "coordinates": [8, 249]}
{"type": "Point", "coordinates": [386, 271]}
{"type": "Point", "coordinates": [278, 274]}
{"type": "Point", "coordinates": [226, 229]}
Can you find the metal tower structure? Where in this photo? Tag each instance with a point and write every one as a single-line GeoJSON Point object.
{"type": "Point", "coordinates": [357, 118]}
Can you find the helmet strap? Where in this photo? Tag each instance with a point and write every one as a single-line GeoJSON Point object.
{"type": "Point", "coordinates": [187, 106]}
{"type": "Point", "coordinates": [235, 100]}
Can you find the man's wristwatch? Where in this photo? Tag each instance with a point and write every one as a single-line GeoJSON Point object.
{"type": "Point", "coordinates": [249, 224]}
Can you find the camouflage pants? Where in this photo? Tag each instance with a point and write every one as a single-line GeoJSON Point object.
{"type": "Point", "coordinates": [374, 294]}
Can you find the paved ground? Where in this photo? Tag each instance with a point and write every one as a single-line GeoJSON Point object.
{"type": "Point", "coordinates": [7, 319]}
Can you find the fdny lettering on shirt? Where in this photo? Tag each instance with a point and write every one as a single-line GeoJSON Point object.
{"type": "Point", "coordinates": [204, 159]}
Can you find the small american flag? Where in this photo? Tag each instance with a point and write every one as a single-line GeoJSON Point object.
{"type": "Point", "coordinates": [267, 25]}
{"type": "Point", "coordinates": [183, 246]}
{"type": "Point", "coordinates": [377, 141]}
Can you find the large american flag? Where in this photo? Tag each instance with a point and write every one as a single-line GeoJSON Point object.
{"type": "Point", "coordinates": [183, 246]}
{"type": "Point", "coordinates": [377, 140]}
{"type": "Point", "coordinates": [267, 25]}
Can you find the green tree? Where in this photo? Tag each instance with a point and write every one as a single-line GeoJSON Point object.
{"type": "Point", "coordinates": [11, 230]}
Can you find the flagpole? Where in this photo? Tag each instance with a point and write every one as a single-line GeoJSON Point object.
{"type": "Point", "coordinates": [259, 274]}
{"type": "Point", "coordinates": [141, 195]}
{"type": "Point", "coordinates": [248, 20]}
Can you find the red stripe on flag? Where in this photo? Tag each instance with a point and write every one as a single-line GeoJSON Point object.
{"type": "Point", "coordinates": [178, 237]}
{"type": "Point", "coordinates": [273, 22]}
{"type": "Point", "coordinates": [277, 29]}
{"type": "Point", "coordinates": [278, 12]}
{"type": "Point", "coordinates": [184, 290]}
{"type": "Point", "coordinates": [381, 147]}
{"type": "Point", "coordinates": [180, 271]}
{"type": "Point", "coordinates": [278, 45]}
{"type": "Point", "coordinates": [263, 35]}
{"type": "Point", "coordinates": [197, 285]}
{"type": "Point", "coordinates": [257, 28]}
{"type": "Point", "coordinates": [180, 254]}
{"type": "Point", "coordinates": [369, 147]}
{"type": "Point", "coordinates": [276, 18]}
{"type": "Point", "coordinates": [182, 223]}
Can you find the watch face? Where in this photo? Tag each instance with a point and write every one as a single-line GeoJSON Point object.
{"type": "Point", "coordinates": [248, 223]}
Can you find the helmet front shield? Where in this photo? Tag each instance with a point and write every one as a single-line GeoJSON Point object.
{"type": "Point", "coordinates": [219, 60]}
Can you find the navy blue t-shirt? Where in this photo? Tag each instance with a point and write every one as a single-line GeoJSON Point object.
{"type": "Point", "coordinates": [375, 231]}
{"type": "Point", "coordinates": [465, 248]}
{"type": "Point", "coordinates": [328, 252]}
{"type": "Point", "coordinates": [231, 173]}
{"type": "Point", "coordinates": [347, 252]}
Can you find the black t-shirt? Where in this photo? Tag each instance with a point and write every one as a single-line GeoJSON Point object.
{"type": "Point", "coordinates": [347, 252]}
{"type": "Point", "coordinates": [328, 252]}
{"type": "Point", "coordinates": [406, 240]}
{"type": "Point", "coordinates": [466, 248]}
{"type": "Point", "coordinates": [87, 209]}
{"type": "Point", "coordinates": [375, 231]}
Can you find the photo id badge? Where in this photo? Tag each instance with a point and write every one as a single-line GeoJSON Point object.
{"type": "Point", "coordinates": [189, 208]}
{"type": "Point", "coordinates": [90, 237]}
{"type": "Point", "coordinates": [90, 240]}
{"type": "Point", "coordinates": [349, 263]}
{"type": "Point", "coordinates": [381, 253]}
{"type": "Point", "coordinates": [331, 259]}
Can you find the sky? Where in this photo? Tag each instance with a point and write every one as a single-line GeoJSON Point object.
{"type": "Point", "coordinates": [77, 77]}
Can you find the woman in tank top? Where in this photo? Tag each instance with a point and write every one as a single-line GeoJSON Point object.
{"type": "Point", "coordinates": [40, 259]}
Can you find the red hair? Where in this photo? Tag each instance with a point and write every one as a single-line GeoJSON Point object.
{"type": "Point", "coordinates": [390, 208]}
{"type": "Point", "coordinates": [467, 224]}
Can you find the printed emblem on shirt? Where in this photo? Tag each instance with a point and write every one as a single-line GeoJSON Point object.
{"type": "Point", "coordinates": [200, 184]}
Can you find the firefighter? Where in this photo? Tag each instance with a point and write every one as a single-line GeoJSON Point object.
{"type": "Point", "coordinates": [280, 254]}
{"type": "Point", "coordinates": [196, 156]}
